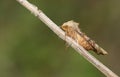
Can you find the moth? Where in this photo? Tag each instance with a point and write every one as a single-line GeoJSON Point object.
{"type": "Point", "coordinates": [73, 31]}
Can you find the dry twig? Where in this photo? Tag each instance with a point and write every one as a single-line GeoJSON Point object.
{"type": "Point", "coordinates": [61, 34]}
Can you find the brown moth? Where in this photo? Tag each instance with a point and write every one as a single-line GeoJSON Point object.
{"type": "Point", "coordinates": [72, 30]}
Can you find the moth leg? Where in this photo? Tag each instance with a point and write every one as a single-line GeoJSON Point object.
{"type": "Point", "coordinates": [66, 34]}
{"type": "Point", "coordinates": [67, 45]}
{"type": "Point", "coordinates": [76, 38]}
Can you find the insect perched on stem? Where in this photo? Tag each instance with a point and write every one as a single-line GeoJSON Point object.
{"type": "Point", "coordinates": [72, 30]}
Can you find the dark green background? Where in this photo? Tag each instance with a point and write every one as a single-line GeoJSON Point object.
{"type": "Point", "coordinates": [28, 48]}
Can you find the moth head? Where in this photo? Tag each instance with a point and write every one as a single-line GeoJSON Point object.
{"type": "Point", "coordinates": [70, 24]}
{"type": "Point", "coordinates": [65, 27]}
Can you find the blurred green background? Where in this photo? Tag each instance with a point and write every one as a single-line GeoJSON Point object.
{"type": "Point", "coordinates": [28, 48]}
